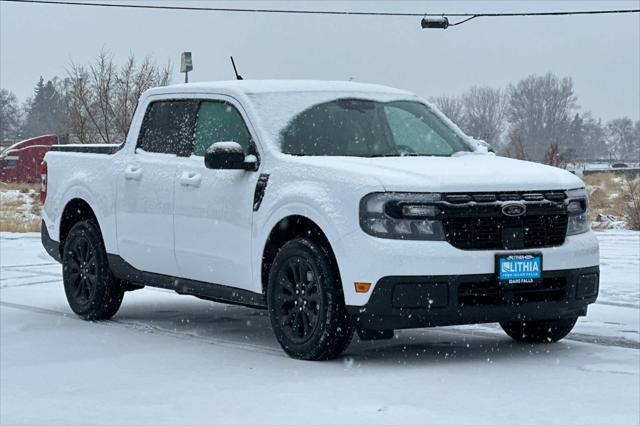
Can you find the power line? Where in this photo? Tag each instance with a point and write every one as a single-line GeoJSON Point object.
{"type": "Point", "coordinates": [469, 16]}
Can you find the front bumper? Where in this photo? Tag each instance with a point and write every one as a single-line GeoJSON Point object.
{"type": "Point", "coordinates": [363, 258]}
{"type": "Point", "coordinates": [427, 301]}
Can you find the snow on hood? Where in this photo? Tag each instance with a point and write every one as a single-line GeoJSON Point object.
{"type": "Point", "coordinates": [474, 172]}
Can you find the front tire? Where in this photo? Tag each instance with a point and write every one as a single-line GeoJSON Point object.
{"type": "Point", "coordinates": [92, 291]}
{"type": "Point", "coordinates": [539, 331]}
{"type": "Point", "coordinates": [306, 303]}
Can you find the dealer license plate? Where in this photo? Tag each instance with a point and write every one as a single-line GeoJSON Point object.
{"type": "Point", "coordinates": [519, 268]}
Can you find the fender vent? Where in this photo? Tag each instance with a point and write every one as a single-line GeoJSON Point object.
{"type": "Point", "coordinates": [258, 195]}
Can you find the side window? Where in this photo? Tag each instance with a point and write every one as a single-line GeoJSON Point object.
{"type": "Point", "coordinates": [411, 131]}
{"type": "Point", "coordinates": [10, 162]}
{"type": "Point", "coordinates": [219, 122]}
{"type": "Point", "coordinates": [168, 127]}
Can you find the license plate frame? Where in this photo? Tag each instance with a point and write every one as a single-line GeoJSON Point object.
{"type": "Point", "coordinates": [522, 274]}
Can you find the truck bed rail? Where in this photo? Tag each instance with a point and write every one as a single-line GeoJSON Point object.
{"type": "Point", "coordinates": [88, 148]}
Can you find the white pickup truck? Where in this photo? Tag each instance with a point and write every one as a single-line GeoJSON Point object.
{"type": "Point", "coordinates": [336, 206]}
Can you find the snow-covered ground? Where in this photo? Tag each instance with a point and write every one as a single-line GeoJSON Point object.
{"type": "Point", "coordinates": [169, 359]}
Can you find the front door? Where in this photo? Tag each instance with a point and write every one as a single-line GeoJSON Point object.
{"type": "Point", "coordinates": [214, 208]}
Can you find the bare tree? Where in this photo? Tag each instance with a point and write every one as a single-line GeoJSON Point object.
{"type": "Point", "coordinates": [623, 139]}
{"type": "Point", "coordinates": [451, 106]}
{"type": "Point", "coordinates": [9, 116]}
{"type": "Point", "coordinates": [540, 109]}
{"type": "Point", "coordinates": [103, 96]}
{"type": "Point", "coordinates": [484, 113]}
{"type": "Point", "coordinates": [515, 148]}
{"type": "Point", "coordinates": [553, 157]}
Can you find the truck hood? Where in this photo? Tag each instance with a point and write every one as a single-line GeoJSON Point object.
{"type": "Point", "coordinates": [469, 172]}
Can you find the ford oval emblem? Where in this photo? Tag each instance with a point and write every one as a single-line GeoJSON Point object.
{"type": "Point", "coordinates": [513, 209]}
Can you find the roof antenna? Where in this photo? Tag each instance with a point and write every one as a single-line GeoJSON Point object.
{"type": "Point", "coordinates": [235, 70]}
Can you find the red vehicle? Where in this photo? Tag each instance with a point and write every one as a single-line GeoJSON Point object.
{"type": "Point", "coordinates": [21, 161]}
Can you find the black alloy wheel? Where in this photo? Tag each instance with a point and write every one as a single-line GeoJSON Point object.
{"type": "Point", "coordinates": [306, 302]}
{"type": "Point", "coordinates": [92, 291]}
{"type": "Point", "coordinates": [82, 271]}
{"type": "Point", "coordinates": [298, 299]}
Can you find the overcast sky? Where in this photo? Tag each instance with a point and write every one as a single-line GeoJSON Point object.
{"type": "Point", "coordinates": [600, 53]}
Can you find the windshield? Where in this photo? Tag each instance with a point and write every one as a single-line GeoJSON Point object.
{"type": "Point", "coordinates": [368, 128]}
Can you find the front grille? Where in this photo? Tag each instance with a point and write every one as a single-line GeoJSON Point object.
{"type": "Point", "coordinates": [492, 293]}
{"type": "Point", "coordinates": [485, 233]}
{"type": "Point", "coordinates": [480, 225]}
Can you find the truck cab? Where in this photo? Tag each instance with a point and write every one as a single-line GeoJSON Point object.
{"type": "Point", "coordinates": [340, 207]}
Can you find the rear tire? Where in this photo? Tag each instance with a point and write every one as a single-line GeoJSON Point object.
{"type": "Point", "coordinates": [306, 302]}
{"type": "Point", "coordinates": [539, 331]}
{"type": "Point", "coordinates": [92, 291]}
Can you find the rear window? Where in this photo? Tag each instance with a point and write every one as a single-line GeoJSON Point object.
{"type": "Point", "coordinates": [168, 127]}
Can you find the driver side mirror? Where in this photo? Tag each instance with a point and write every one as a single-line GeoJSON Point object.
{"type": "Point", "coordinates": [228, 156]}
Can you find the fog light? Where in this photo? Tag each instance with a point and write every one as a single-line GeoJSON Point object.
{"type": "Point", "coordinates": [587, 286]}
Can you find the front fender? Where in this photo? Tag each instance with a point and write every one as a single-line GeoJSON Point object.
{"type": "Point", "coordinates": [335, 216]}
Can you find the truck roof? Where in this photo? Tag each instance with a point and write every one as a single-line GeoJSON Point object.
{"type": "Point", "coordinates": [247, 87]}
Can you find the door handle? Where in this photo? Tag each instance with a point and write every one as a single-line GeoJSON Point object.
{"type": "Point", "coordinates": [190, 179]}
{"type": "Point", "coordinates": [133, 172]}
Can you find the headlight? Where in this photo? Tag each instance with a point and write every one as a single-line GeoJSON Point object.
{"type": "Point", "coordinates": [578, 211]}
{"type": "Point", "coordinates": [402, 216]}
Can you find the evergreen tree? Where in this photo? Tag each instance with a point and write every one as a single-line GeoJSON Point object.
{"type": "Point", "coordinates": [45, 112]}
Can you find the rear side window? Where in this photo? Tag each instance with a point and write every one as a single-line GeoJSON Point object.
{"type": "Point", "coordinates": [168, 127]}
{"type": "Point", "coordinates": [219, 122]}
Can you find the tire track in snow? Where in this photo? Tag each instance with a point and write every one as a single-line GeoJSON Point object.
{"type": "Point", "coordinates": [619, 305]}
{"type": "Point", "coordinates": [27, 265]}
{"type": "Point", "coordinates": [605, 341]}
{"type": "Point", "coordinates": [20, 237]}
{"type": "Point", "coordinates": [151, 329]}
{"type": "Point", "coordinates": [33, 272]}
{"type": "Point", "coordinates": [573, 336]}
{"type": "Point", "coordinates": [31, 283]}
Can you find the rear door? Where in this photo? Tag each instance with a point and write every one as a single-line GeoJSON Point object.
{"type": "Point", "coordinates": [214, 208]}
{"type": "Point", "coordinates": [145, 195]}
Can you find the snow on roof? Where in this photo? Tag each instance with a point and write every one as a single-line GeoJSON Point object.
{"type": "Point", "coordinates": [249, 87]}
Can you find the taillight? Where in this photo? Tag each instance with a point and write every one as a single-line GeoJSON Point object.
{"type": "Point", "coordinates": [43, 178]}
